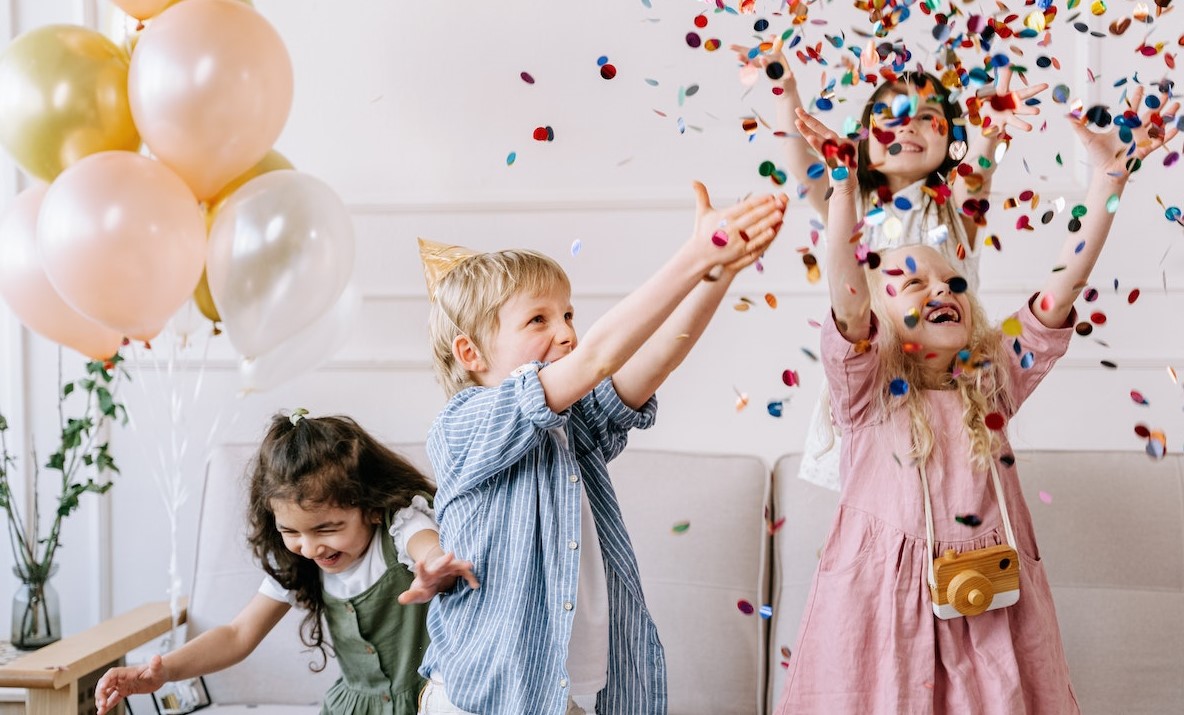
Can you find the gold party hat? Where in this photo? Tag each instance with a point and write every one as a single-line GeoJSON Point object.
{"type": "Point", "coordinates": [438, 259]}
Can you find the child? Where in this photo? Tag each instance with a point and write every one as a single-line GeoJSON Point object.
{"type": "Point", "coordinates": [520, 455]}
{"type": "Point", "coordinates": [324, 495]}
{"type": "Point", "coordinates": [922, 387]}
{"type": "Point", "coordinates": [908, 151]}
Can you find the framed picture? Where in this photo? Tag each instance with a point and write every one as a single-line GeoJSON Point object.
{"type": "Point", "coordinates": [181, 697]}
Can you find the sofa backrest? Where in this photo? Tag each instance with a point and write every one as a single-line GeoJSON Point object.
{"type": "Point", "coordinates": [225, 578]}
{"type": "Point", "coordinates": [697, 525]}
{"type": "Point", "coordinates": [1110, 526]}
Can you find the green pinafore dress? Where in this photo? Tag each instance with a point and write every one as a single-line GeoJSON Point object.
{"type": "Point", "coordinates": [379, 645]}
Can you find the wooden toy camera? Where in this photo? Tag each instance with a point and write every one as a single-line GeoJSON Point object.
{"type": "Point", "coordinates": [975, 581]}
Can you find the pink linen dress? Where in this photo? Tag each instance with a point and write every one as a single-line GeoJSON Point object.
{"type": "Point", "coordinates": [869, 642]}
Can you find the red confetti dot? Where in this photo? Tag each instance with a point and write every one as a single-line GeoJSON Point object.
{"type": "Point", "coordinates": [1138, 399]}
{"type": "Point", "coordinates": [700, 21]}
{"type": "Point", "coordinates": [608, 71]}
{"type": "Point", "coordinates": [1134, 295]}
{"type": "Point", "coordinates": [790, 378]}
{"type": "Point", "coordinates": [994, 421]}
{"type": "Point", "coordinates": [1142, 431]}
{"type": "Point", "coordinates": [745, 607]}
{"type": "Point", "coordinates": [527, 78]}
{"type": "Point", "coordinates": [540, 134]}
{"type": "Point", "coordinates": [1097, 318]}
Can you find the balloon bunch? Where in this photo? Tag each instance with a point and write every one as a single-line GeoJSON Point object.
{"type": "Point", "coordinates": [156, 183]}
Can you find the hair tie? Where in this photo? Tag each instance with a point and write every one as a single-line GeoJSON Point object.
{"type": "Point", "coordinates": [297, 415]}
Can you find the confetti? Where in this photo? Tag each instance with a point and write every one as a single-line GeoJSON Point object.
{"type": "Point", "coordinates": [681, 527]}
{"type": "Point", "coordinates": [745, 607]}
{"type": "Point", "coordinates": [994, 421]}
{"type": "Point", "coordinates": [576, 245]}
{"type": "Point", "coordinates": [790, 378]}
{"type": "Point", "coordinates": [1045, 497]}
{"type": "Point", "coordinates": [968, 519]}
{"type": "Point", "coordinates": [511, 158]}
{"type": "Point", "coordinates": [898, 387]}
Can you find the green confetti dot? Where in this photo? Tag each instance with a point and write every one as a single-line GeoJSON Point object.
{"type": "Point", "coordinates": [984, 162]}
{"type": "Point", "coordinates": [1078, 211]}
{"type": "Point", "coordinates": [681, 527]}
{"type": "Point", "coordinates": [1060, 161]}
{"type": "Point", "coordinates": [766, 168]}
{"type": "Point", "coordinates": [1112, 204]}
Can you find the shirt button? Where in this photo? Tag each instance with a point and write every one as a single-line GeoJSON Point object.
{"type": "Point", "coordinates": [567, 606]}
{"type": "Point", "coordinates": [370, 650]}
{"type": "Point", "coordinates": [573, 479]}
{"type": "Point", "coordinates": [386, 697]}
{"type": "Point", "coordinates": [572, 545]}
{"type": "Point", "coordinates": [563, 682]}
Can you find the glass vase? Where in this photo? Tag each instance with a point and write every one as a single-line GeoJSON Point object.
{"type": "Point", "coordinates": [36, 613]}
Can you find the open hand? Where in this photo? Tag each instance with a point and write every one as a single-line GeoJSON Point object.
{"type": "Point", "coordinates": [118, 683]}
{"type": "Point", "coordinates": [1109, 153]}
{"type": "Point", "coordinates": [1001, 107]}
{"type": "Point", "coordinates": [783, 76]}
{"type": "Point", "coordinates": [738, 235]}
{"type": "Point", "coordinates": [837, 151]}
{"type": "Point", "coordinates": [436, 576]}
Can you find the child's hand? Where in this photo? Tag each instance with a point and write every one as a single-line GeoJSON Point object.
{"type": "Point", "coordinates": [1109, 153]}
{"type": "Point", "coordinates": [783, 75]}
{"type": "Point", "coordinates": [738, 235]}
{"type": "Point", "coordinates": [437, 575]}
{"type": "Point", "coordinates": [118, 683]}
{"type": "Point", "coordinates": [1001, 107]}
{"type": "Point", "coordinates": [837, 151]}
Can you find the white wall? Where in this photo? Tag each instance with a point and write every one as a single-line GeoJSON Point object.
{"type": "Point", "coordinates": [409, 110]}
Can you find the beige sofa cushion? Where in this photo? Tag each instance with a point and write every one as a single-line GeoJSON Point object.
{"type": "Point", "coordinates": [693, 580]}
{"type": "Point", "coordinates": [1112, 540]}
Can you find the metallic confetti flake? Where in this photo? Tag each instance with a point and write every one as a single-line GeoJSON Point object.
{"type": "Point", "coordinates": [681, 527]}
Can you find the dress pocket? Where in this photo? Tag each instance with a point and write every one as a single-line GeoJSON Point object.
{"type": "Point", "coordinates": [850, 541]}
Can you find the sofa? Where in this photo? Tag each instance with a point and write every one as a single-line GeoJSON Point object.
{"type": "Point", "coordinates": [727, 591]}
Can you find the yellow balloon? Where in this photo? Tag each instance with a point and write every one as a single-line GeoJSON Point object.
{"type": "Point", "coordinates": [272, 161]}
{"type": "Point", "coordinates": [63, 96]}
{"type": "Point", "coordinates": [205, 301]}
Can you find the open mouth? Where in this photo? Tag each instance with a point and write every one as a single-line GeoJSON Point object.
{"type": "Point", "coordinates": [942, 313]}
{"type": "Point", "coordinates": [910, 148]}
{"type": "Point", "coordinates": [329, 561]}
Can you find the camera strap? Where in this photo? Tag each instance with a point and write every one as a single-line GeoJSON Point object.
{"type": "Point", "coordinates": [929, 517]}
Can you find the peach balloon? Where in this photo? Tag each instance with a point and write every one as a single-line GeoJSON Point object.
{"type": "Point", "coordinates": [143, 9]}
{"type": "Point", "coordinates": [122, 240]}
{"type": "Point", "coordinates": [27, 290]}
{"type": "Point", "coordinates": [210, 88]}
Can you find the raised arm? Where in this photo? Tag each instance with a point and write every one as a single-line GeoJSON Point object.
{"type": "Point", "coordinates": [1000, 109]}
{"type": "Point", "coordinates": [1108, 155]}
{"type": "Point", "coordinates": [850, 298]}
{"type": "Point", "coordinates": [797, 150]}
{"type": "Point", "coordinates": [718, 239]}
{"type": "Point", "coordinates": [214, 650]}
{"type": "Point", "coordinates": [642, 374]}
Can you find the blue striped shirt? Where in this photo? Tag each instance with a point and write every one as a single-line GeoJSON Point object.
{"type": "Point", "coordinates": [508, 500]}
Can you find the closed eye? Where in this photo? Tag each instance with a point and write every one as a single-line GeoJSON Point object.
{"type": "Point", "coordinates": [912, 282]}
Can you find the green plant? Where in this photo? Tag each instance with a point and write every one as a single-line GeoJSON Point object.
{"type": "Point", "coordinates": [82, 460]}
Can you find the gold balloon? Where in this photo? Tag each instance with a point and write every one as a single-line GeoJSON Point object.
{"type": "Point", "coordinates": [271, 162]}
{"type": "Point", "coordinates": [63, 96]}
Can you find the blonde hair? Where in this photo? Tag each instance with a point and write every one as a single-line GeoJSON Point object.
{"type": "Point", "coordinates": [468, 298]}
{"type": "Point", "coordinates": [982, 381]}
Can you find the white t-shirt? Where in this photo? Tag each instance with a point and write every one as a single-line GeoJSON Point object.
{"type": "Point", "coordinates": [587, 651]}
{"type": "Point", "coordinates": [367, 570]}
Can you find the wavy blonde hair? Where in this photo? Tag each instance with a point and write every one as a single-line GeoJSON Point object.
{"type": "Point", "coordinates": [468, 298]}
{"type": "Point", "coordinates": [982, 383]}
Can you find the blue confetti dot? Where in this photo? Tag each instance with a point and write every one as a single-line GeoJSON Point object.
{"type": "Point", "coordinates": [824, 104]}
{"type": "Point", "coordinates": [911, 264]}
{"type": "Point", "coordinates": [511, 158]}
{"type": "Point", "coordinates": [902, 204]}
{"type": "Point", "coordinates": [816, 171]}
{"type": "Point", "coordinates": [1151, 101]}
{"type": "Point", "coordinates": [898, 387]}
{"type": "Point", "coordinates": [839, 173]}
{"type": "Point", "coordinates": [766, 611]}
{"type": "Point", "coordinates": [1173, 213]}
{"type": "Point", "coordinates": [775, 407]}
{"type": "Point", "coordinates": [1079, 248]}
{"type": "Point", "coordinates": [602, 61]}
{"type": "Point", "coordinates": [1027, 360]}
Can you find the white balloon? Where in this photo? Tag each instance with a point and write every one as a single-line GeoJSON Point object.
{"type": "Point", "coordinates": [281, 252]}
{"type": "Point", "coordinates": [306, 350]}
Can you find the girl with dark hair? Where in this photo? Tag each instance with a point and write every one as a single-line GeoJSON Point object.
{"type": "Point", "coordinates": [912, 186]}
{"type": "Point", "coordinates": [343, 529]}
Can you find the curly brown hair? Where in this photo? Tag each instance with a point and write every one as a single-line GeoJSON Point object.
{"type": "Point", "coordinates": [320, 461]}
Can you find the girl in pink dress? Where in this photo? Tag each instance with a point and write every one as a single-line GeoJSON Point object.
{"type": "Point", "coordinates": [922, 387]}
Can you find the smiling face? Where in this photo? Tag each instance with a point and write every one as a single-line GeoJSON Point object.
{"type": "Point", "coordinates": [332, 537]}
{"type": "Point", "coordinates": [914, 294]}
{"type": "Point", "coordinates": [530, 327]}
{"type": "Point", "coordinates": [918, 146]}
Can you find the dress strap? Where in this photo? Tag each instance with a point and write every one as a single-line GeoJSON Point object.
{"type": "Point", "coordinates": [1007, 532]}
